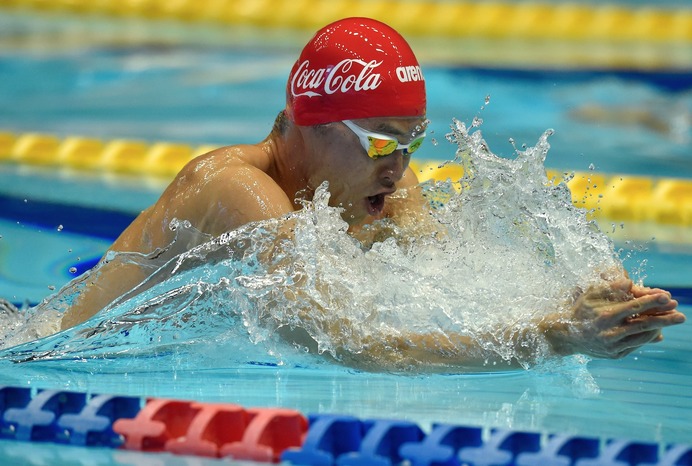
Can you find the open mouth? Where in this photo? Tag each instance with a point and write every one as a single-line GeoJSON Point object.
{"type": "Point", "coordinates": [376, 204]}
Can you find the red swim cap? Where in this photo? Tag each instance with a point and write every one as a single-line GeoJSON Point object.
{"type": "Point", "coordinates": [355, 68]}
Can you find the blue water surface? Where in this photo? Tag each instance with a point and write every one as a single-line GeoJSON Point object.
{"type": "Point", "coordinates": [174, 91]}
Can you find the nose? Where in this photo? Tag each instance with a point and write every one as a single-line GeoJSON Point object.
{"type": "Point", "coordinates": [394, 166]}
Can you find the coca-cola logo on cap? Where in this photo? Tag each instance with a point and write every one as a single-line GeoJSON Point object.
{"type": "Point", "coordinates": [347, 75]}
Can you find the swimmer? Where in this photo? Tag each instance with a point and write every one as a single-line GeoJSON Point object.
{"type": "Point", "coordinates": [355, 114]}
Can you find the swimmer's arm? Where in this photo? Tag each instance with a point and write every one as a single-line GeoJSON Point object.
{"type": "Point", "coordinates": [112, 279]}
{"type": "Point", "coordinates": [607, 322]}
{"type": "Point", "coordinates": [441, 352]}
{"type": "Point", "coordinates": [431, 352]}
{"type": "Point", "coordinates": [147, 232]}
{"type": "Point", "coordinates": [236, 195]}
{"type": "Point", "coordinates": [596, 326]}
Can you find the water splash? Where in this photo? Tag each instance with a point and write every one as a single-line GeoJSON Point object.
{"type": "Point", "coordinates": [488, 262]}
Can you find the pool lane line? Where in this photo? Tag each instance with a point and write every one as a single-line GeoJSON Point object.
{"type": "Point", "coordinates": [224, 430]}
{"type": "Point", "coordinates": [128, 156]}
{"type": "Point", "coordinates": [664, 201]}
{"type": "Point", "coordinates": [95, 222]}
{"type": "Point", "coordinates": [681, 294]}
{"type": "Point", "coordinates": [565, 21]}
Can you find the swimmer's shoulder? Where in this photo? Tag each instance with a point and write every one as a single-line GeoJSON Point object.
{"type": "Point", "coordinates": [234, 180]}
{"type": "Point", "coordinates": [223, 165]}
{"type": "Point", "coordinates": [241, 155]}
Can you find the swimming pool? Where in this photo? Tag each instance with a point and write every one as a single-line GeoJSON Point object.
{"type": "Point", "coordinates": [653, 404]}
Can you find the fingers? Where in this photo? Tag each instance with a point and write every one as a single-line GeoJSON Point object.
{"type": "Point", "coordinates": [638, 339]}
{"type": "Point", "coordinates": [644, 327]}
{"type": "Point", "coordinates": [650, 304]}
{"type": "Point", "coordinates": [639, 291]}
{"type": "Point", "coordinates": [649, 323]}
{"type": "Point", "coordinates": [622, 347]}
{"type": "Point", "coordinates": [631, 343]}
{"type": "Point", "coordinates": [624, 353]}
{"type": "Point", "coordinates": [619, 318]}
{"type": "Point", "coordinates": [642, 330]}
{"type": "Point", "coordinates": [623, 287]}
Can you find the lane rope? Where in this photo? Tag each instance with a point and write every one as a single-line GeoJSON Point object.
{"type": "Point", "coordinates": [568, 21]}
{"type": "Point", "coordinates": [224, 430]}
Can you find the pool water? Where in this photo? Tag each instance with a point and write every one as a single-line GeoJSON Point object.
{"type": "Point", "coordinates": [641, 397]}
{"type": "Point", "coordinates": [177, 92]}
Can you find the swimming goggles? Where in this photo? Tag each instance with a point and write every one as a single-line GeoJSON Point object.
{"type": "Point", "coordinates": [379, 145]}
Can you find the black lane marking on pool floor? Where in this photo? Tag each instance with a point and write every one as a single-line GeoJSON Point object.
{"type": "Point", "coordinates": [91, 221]}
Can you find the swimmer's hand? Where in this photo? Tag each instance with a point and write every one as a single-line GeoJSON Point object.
{"type": "Point", "coordinates": [614, 320]}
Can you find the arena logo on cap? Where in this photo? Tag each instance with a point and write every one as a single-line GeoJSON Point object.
{"type": "Point", "coordinates": [348, 74]}
{"type": "Point", "coordinates": [409, 73]}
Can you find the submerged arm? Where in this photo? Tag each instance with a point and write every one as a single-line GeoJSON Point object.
{"type": "Point", "coordinates": [605, 322]}
{"type": "Point", "coordinates": [610, 322]}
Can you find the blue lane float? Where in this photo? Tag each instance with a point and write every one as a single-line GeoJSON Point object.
{"type": "Point", "coordinates": [273, 434]}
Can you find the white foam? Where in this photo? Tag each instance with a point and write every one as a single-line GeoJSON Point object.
{"type": "Point", "coordinates": [506, 250]}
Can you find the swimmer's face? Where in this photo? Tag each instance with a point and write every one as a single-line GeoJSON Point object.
{"type": "Point", "coordinates": [358, 182]}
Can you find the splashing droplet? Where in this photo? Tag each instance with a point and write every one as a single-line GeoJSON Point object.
{"type": "Point", "coordinates": [507, 225]}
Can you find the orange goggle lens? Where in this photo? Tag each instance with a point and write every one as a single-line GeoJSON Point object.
{"type": "Point", "coordinates": [379, 145]}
